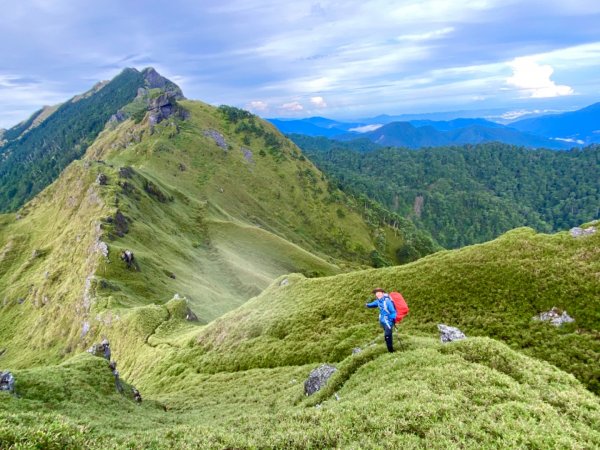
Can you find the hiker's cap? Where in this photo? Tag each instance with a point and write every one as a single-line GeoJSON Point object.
{"type": "Point", "coordinates": [378, 290]}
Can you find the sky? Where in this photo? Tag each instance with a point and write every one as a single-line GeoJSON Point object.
{"type": "Point", "coordinates": [341, 59]}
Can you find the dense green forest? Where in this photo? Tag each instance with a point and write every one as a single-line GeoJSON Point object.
{"type": "Point", "coordinates": [34, 159]}
{"type": "Point", "coordinates": [468, 194]}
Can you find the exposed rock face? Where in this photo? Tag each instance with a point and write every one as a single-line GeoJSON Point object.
{"type": "Point", "coordinates": [156, 81]}
{"type": "Point", "coordinates": [136, 395]}
{"type": "Point", "coordinates": [449, 334]}
{"type": "Point", "coordinates": [190, 316]}
{"type": "Point", "coordinates": [113, 367]}
{"type": "Point", "coordinates": [118, 117]}
{"type": "Point", "coordinates": [318, 378]}
{"type": "Point", "coordinates": [102, 179]}
{"type": "Point", "coordinates": [580, 232]}
{"type": "Point", "coordinates": [102, 350]}
{"type": "Point", "coordinates": [555, 316]}
{"type": "Point", "coordinates": [121, 225]}
{"type": "Point", "coordinates": [128, 257]}
{"type": "Point", "coordinates": [248, 155]}
{"type": "Point", "coordinates": [7, 382]}
{"type": "Point", "coordinates": [85, 328]}
{"type": "Point", "coordinates": [161, 108]}
{"type": "Point", "coordinates": [126, 172]}
{"type": "Point", "coordinates": [101, 247]}
{"type": "Point", "coordinates": [217, 137]}
{"type": "Point", "coordinates": [418, 205]}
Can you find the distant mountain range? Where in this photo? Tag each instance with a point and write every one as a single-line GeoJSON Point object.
{"type": "Point", "coordinates": [581, 126]}
{"type": "Point", "coordinates": [554, 131]}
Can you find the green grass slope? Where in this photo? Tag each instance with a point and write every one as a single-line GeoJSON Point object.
{"type": "Point", "coordinates": [491, 289]}
{"type": "Point", "coordinates": [471, 394]}
{"type": "Point", "coordinates": [238, 381]}
{"type": "Point", "coordinates": [212, 215]}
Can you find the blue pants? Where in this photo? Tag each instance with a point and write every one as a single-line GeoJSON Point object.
{"type": "Point", "coordinates": [387, 334]}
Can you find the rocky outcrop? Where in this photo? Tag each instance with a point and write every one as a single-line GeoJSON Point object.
{"type": "Point", "coordinates": [126, 172]}
{"type": "Point", "coordinates": [118, 117]}
{"type": "Point", "coordinates": [121, 225]}
{"type": "Point", "coordinates": [190, 316]}
{"type": "Point", "coordinates": [101, 350]}
{"type": "Point", "coordinates": [318, 378]}
{"type": "Point", "coordinates": [580, 232]}
{"type": "Point", "coordinates": [7, 382]}
{"type": "Point", "coordinates": [101, 179]}
{"type": "Point", "coordinates": [449, 334]}
{"type": "Point", "coordinates": [555, 316]}
{"type": "Point", "coordinates": [217, 137]}
{"type": "Point", "coordinates": [128, 257]}
{"type": "Point", "coordinates": [153, 80]}
{"type": "Point", "coordinates": [158, 97]}
{"type": "Point", "coordinates": [248, 155]}
{"type": "Point", "coordinates": [136, 395]}
{"type": "Point", "coordinates": [163, 107]}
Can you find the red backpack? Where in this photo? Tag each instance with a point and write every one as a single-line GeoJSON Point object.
{"type": "Point", "coordinates": [400, 305]}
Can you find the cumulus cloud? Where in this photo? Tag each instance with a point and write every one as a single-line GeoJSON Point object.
{"type": "Point", "coordinates": [257, 105]}
{"type": "Point", "coordinates": [534, 79]}
{"type": "Point", "coordinates": [319, 102]}
{"type": "Point", "coordinates": [364, 57]}
{"type": "Point", "coordinates": [292, 107]}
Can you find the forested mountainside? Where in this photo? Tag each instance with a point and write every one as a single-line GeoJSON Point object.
{"type": "Point", "coordinates": [468, 194]}
{"type": "Point", "coordinates": [36, 151]}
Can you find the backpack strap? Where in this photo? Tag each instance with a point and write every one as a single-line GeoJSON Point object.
{"type": "Point", "coordinates": [385, 308]}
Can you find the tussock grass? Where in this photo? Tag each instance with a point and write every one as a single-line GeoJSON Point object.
{"type": "Point", "coordinates": [489, 290]}
{"type": "Point", "coordinates": [470, 394]}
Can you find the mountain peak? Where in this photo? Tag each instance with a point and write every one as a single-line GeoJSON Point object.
{"type": "Point", "coordinates": [154, 80]}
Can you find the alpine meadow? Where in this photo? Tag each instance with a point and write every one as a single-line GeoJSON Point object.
{"type": "Point", "coordinates": [172, 272]}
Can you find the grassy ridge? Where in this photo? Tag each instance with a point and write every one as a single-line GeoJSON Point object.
{"type": "Point", "coordinates": [471, 394]}
{"type": "Point", "coordinates": [214, 222]}
{"type": "Point", "coordinates": [48, 253]}
{"type": "Point", "coordinates": [490, 289]}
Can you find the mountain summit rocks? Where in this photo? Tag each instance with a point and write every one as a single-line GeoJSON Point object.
{"type": "Point", "coordinates": [158, 96]}
{"type": "Point", "coordinates": [154, 80]}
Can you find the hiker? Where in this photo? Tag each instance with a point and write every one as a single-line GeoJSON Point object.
{"type": "Point", "coordinates": [387, 315]}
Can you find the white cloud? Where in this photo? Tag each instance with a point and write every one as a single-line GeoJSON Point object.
{"type": "Point", "coordinates": [572, 141]}
{"type": "Point", "coordinates": [257, 105]}
{"type": "Point", "coordinates": [292, 107]}
{"type": "Point", "coordinates": [515, 114]}
{"type": "Point", "coordinates": [436, 34]}
{"type": "Point", "coordinates": [319, 102]}
{"type": "Point", "coordinates": [534, 79]}
{"type": "Point", "coordinates": [366, 128]}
